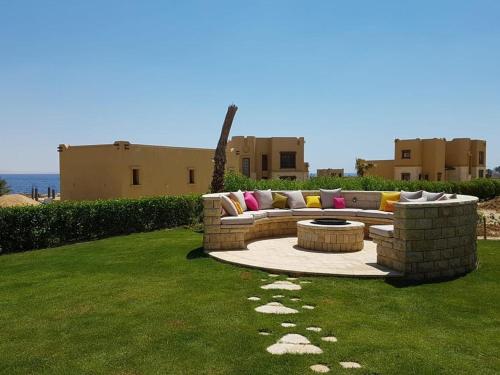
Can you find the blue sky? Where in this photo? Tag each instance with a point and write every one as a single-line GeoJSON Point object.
{"type": "Point", "coordinates": [348, 76]}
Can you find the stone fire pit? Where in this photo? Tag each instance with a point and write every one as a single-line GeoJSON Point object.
{"type": "Point", "coordinates": [346, 237]}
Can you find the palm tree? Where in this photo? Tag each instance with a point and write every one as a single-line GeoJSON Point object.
{"type": "Point", "coordinates": [220, 152]}
{"type": "Point", "coordinates": [4, 189]}
{"type": "Point", "coordinates": [362, 166]}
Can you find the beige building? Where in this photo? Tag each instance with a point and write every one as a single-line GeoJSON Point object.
{"type": "Point", "coordinates": [433, 159]}
{"type": "Point", "coordinates": [268, 158]}
{"type": "Point", "coordinates": [126, 170]}
{"type": "Point", "coordinates": [330, 172]}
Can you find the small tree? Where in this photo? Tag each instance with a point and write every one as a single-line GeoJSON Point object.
{"type": "Point", "coordinates": [497, 169]}
{"type": "Point", "coordinates": [4, 188]}
{"type": "Point", "coordinates": [362, 166]}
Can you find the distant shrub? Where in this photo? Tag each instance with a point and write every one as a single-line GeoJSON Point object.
{"type": "Point", "coordinates": [35, 227]}
{"type": "Point", "coordinates": [483, 188]}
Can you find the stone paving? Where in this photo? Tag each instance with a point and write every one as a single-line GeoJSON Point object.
{"type": "Point", "coordinates": [295, 343]}
{"type": "Point", "coordinates": [282, 254]}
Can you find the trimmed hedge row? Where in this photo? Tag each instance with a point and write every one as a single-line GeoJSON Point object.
{"type": "Point", "coordinates": [484, 188]}
{"type": "Point", "coordinates": [35, 227]}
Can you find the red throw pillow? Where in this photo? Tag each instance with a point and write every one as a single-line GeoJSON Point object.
{"type": "Point", "coordinates": [338, 202]}
{"type": "Point", "coordinates": [250, 201]}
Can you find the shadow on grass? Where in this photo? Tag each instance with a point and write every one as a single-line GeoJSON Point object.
{"type": "Point", "coordinates": [196, 254]}
{"type": "Point", "coordinates": [402, 283]}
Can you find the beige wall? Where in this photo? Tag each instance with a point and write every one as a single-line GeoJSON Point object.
{"type": "Point", "coordinates": [105, 171]}
{"type": "Point", "coordinates": [381, 168]}
{"type": "Point", "coordinates": [435, 159]}
{"type": "Point", "coordinates": [330, 172]}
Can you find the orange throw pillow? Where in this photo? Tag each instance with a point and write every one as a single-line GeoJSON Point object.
{"type": "Point", "coordinates": [389, 205]}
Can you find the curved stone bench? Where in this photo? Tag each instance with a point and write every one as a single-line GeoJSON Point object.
{"type": "Point", "coordinates": [233, 232]}
{"type": "Point", "coordinates": [422, 240]}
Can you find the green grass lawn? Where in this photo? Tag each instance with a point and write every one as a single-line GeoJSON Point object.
{"type": "Point", "coordinates": [152, 303]}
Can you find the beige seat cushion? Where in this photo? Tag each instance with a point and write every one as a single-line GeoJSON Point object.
{"type": "Point", "coordinates": [375, 213]}
{"type": "Point", "coordinates": [237, 220]}
{"type": "Point", "coordinates": [260, 214]}
{"type": "Point", "coordinates": [341, 211]}
{"type": "Point", "coordinates": [307, 212]}
{"type": "Point", "coordinates": [382, 230]}
{"type": "Point", "coordinates": [278, 212]}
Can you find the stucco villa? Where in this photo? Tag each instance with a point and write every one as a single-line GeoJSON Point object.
{"type": "Point", "coordinates": [436, 159]}
{"type": "Point", "coordinates": [126, 170]}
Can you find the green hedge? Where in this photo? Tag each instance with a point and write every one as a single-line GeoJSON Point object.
{"type": "Point", "coordinates": [35, 227]}
{"type": "Point", "coordinates": [484, 188]}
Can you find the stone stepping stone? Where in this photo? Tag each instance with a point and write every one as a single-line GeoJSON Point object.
{"type": "Point", "coordinates": [273, 275]}
{"type": "Point", "coordinates": [275, 308]}
{"type": "Point", "coordinates": [329, 339]}
{"type": "Point", "coordinates": [350, 364]}
{"type": "Point", "coordinates": [279, 296]}
{"type": "Point", "coordinates": [305, 282]}
{"type": "Point", "coordinates": [263, 279]}
{"type": "Point", "coordinates": [253, 298]}
{"type": "Point", "coordinates": [322, 369]}
{"type": "Point", "coordinates": [313, 329]}
{"type": "Point", "coordinates": [308, 307]}
{"type": "Point", "coordinates": [295, 299]}
{"type": "Point", "coordinates": [281, 284]}
{"type": "Point", "coordinates": [293, 343]}
{"type": "Point", "coordinates": [288, 324]}
{"type": "Point", "coordinates": [264, 332]}
{"type": "Point", "coordinates": [291, 278]}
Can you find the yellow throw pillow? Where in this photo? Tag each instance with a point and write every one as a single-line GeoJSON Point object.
{"type": "Point", "coordinates": [238, 206]}
{"type": "Point", "coordinates": [388, 197]}
{"type": "Point", "coordinates": [313, 201]}
{"type": "Point", "coordinates": [279, 201]}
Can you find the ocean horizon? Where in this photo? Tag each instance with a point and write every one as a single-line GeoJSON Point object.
{"type": "Point", "coordinates": [22, 183]}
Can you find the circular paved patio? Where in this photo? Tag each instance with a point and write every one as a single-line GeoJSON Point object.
{"type": "Point", "coordinates": [283, 255]}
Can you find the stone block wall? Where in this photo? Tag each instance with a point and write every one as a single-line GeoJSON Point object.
{"type": "Point", "coordinates": [431, 240]}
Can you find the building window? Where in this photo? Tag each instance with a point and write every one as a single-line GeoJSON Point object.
{"type": "Point", "coordinates": [290, 178]}
{"type": "Point", "coordinates": [287, 160]}
{"type": "Point", "coordinates": [481, 157]}
{"type": "Point", "coordinates": [439, 176]}
{"type": "Point", "coordinates": [481, 173]}
{"type": "Point", "coordinates": [426, 177]}
{"type": "Point", "coordinates": [245, 167]}
{"type": "Point", "coordinates": [406, 154]}
{"type": "Point", "coordinates": [191, 176]}
{"type": "Point", "coordinates": [264, 162]}
{"type": "Point", "coordinates": [405, 176]}
{"type": "Point", "coordinates": [135, 176]}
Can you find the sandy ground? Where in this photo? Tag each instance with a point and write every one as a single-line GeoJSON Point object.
{"type": "Point", "coordinates": [13, 200]}
{"type": "Point", "coordinates": [490, 210]}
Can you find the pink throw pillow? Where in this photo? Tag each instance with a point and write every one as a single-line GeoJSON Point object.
{"type": "Point", "coordinates": [250, 201]}
{"type": "Point", "coordinates": [339, 202]}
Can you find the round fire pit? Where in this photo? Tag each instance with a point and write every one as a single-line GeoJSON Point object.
{"type": "Point", "coordinates": [335, 235]}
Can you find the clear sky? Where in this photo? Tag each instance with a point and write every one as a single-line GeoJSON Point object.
{"type": "Point", "coordinates": [349, 76]}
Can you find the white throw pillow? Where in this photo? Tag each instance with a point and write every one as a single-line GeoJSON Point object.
{"type": "Point", "coordinates": [228, 206]}
{"type": "Point", "coordinates": [238, 196]}
{"type": "Point", "coordinates": [328, 195]}
{"type": "Point", "coordinates": [295, 199]}
{"type": "Point", "coordinates": [264, 198]}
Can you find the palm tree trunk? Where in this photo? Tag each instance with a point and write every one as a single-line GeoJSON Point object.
{"type": "Point", "coordinates": [220, 151]}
